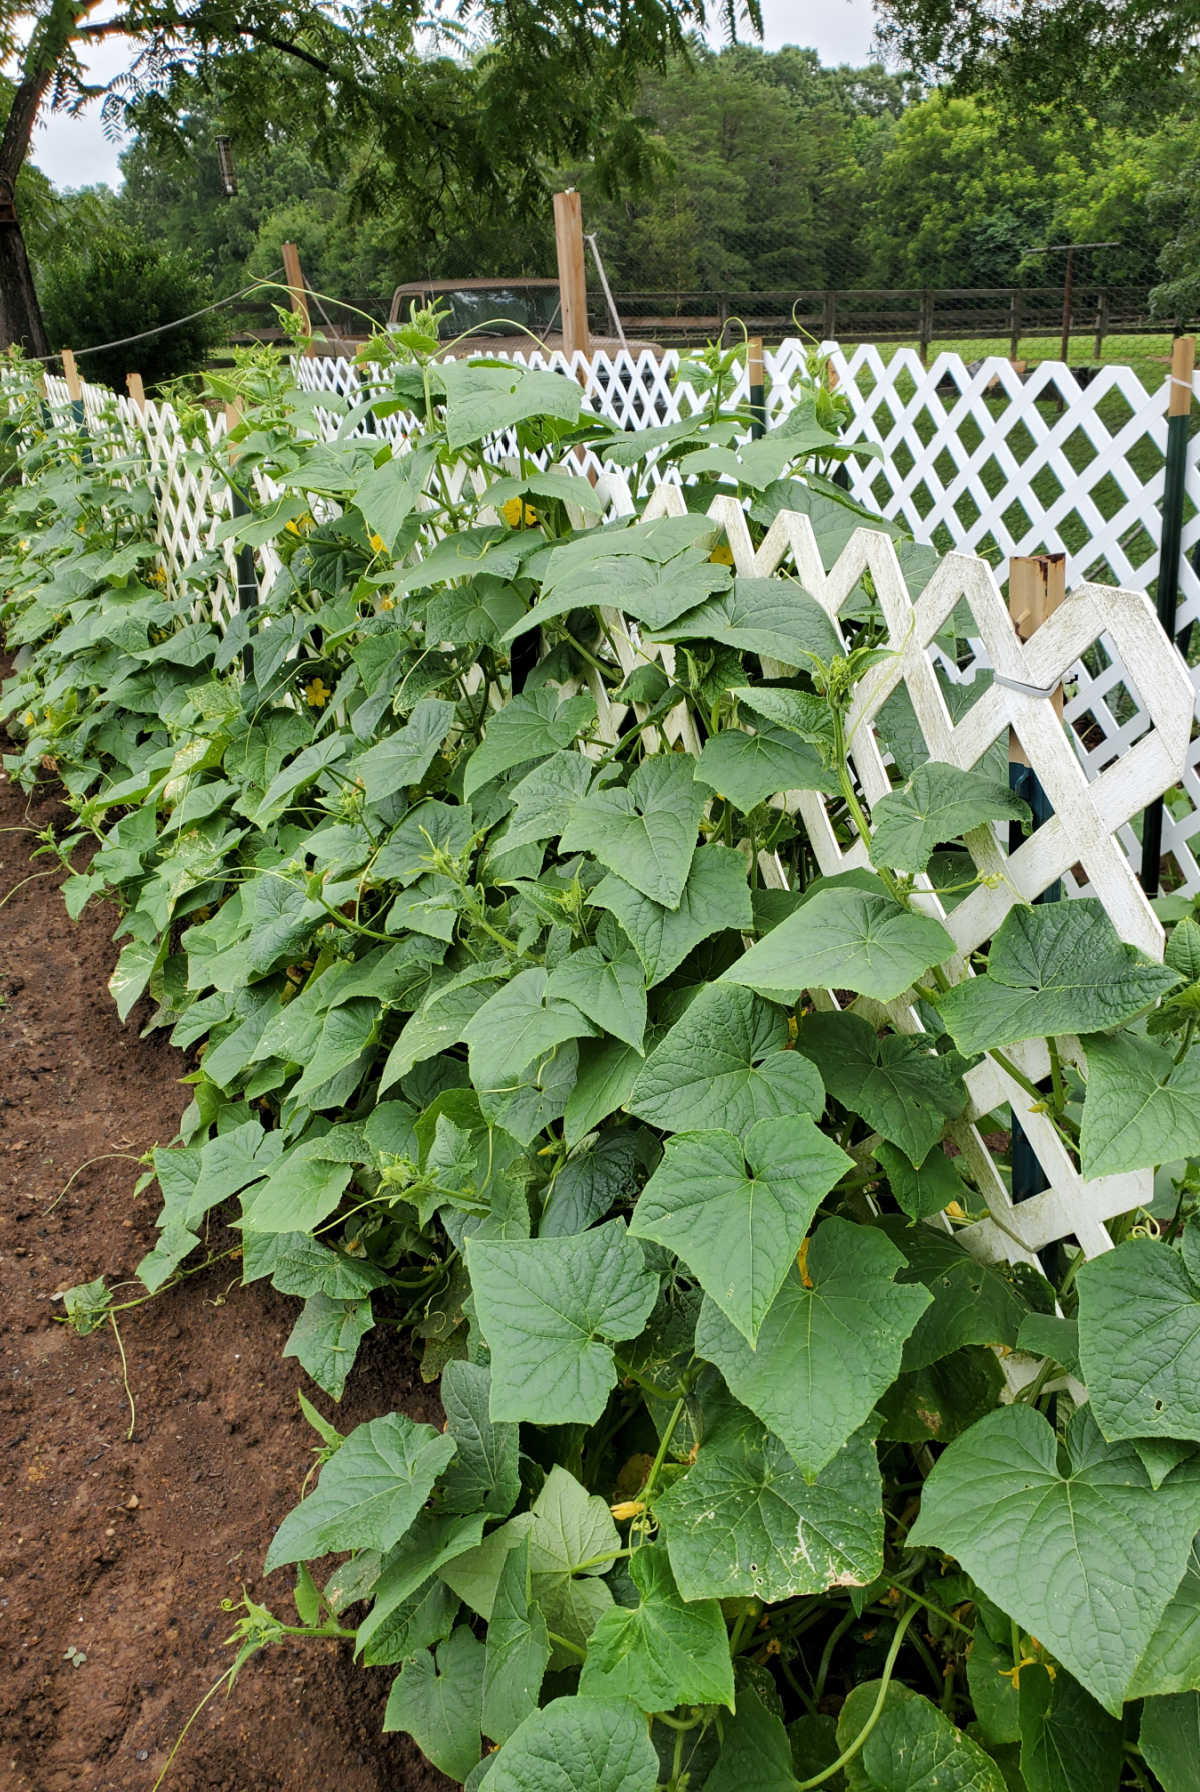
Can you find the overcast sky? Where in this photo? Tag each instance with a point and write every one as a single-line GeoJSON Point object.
{"type": "Point", "coordinates": [74, 152]}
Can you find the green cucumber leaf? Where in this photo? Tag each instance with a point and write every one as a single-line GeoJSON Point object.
{"type": "Point", "coordinates": [1139, 1341]}
{"type": "Point", "coordinates": [662, 1652]}
{"type": "Point", "coordinates": [484, 1474]}
{"type": "Point", "coordinates": [438, 1701]}
{"type": "Point", "coordinates": [776, 617]}
{"type": "Point", "coordinates": [844, 939]}
{"type": "Point", "coordinates": [1068, 1743]}
{"type": "Point", "coordinates": [403, 758]}
{"type": "Point", "coordinates": [533, 725]}
{"type": "Point", "coordinates": [725, 1064]}
{"type": "Point", "coordinates": [897, 1084]}
{"type": "Point", "coordinates": [1058, 968]}
{"type": "Point", "coordinates": [925, 1190]}
{"type": "Point", "coordinates": [756, 1755]}
{"type": "Point", "coordinates": [573, 1542]}
{"type": "Point", "coordinates": [572, 1743]}
{"type": "Point", "coordinates": [748, 768]}
{"type": "Point", "coordinates": [369, 1491]}
{"type": "Point", "coordinates": [829, 1346]}
{"type": "Point", "coordinates": [550, 1310]}
{"type": "Point", "coordinates": [518, 1025]}
{"type": "Point", "coordinates": [518, 1649]}
{"type": "Point", "coordinates": [1171, 1663]}
{"type": "Point", "coordinates": [913, 1746]}
{"type": "Point", "coordinates": [1170, 1740]}
{"type": "Point", "coordinates": [746, 1521]}
{"type": "Point", "coordinates": [973, 1302]}
{"type": "Point", "coordinates": [1141, 1108]}
{"type": "Point", "coordinates": [938, 803]}
{"type": "Point", "coordinates": [645, 831]}
{"type": "Point", "coordinates": [736, 1212]}
{"type": "Point", "coordinates": [610, 991]}
{"type": "Point", "coordinates": [326, 1337]}
{"type": "Point", "coordinates": [1086, 1559]}
{"type": "Point", "coordinates": [715, 897]}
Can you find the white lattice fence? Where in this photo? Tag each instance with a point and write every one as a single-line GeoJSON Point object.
{"type": "Point", "coordinates": [978, 457]}
{"type": "Point", "coordinates": [981, 458]}
{"type": "Point", "coordinates": [1091, 805]}
{"type": "Point", "coordinates": [1083, 831]}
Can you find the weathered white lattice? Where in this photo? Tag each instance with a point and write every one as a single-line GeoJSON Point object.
{"type": "Point", "coordinates": [1082, 831]}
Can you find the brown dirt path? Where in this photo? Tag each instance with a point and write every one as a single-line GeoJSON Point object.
{"type": "Point", "coordinates": [124, 1550]}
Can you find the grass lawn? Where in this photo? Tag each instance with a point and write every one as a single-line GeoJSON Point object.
{"type": "Point", "coordinates": [1149, 356]}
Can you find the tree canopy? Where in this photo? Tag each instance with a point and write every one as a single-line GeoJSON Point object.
{"type": "Point", "coordinates": [548, 77]}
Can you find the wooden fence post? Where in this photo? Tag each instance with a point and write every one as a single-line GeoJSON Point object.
{"type": "Point", "coordinates": [829, 319]}
{"type": "Point", "coordinates": [136, 390]}
{"type": "Point", "coordinates": [572, 274]}
{"type": "Point", "coordinates": [71, 375]}
{"type": "Point", "coordinates": [926, 325]}
{"type": "Point", "coordinates": [1014, 324]}
{"type": "Point", "coordinates": [298, 293]}
{"type": "Point", "coordinates": [1179, 409]}
{"type": "Point", "coordinates": [1101, 322]}
{"type": "Point", "coordinates": [1037, 584]}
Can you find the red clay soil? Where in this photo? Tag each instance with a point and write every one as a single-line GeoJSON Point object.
{"type": "Point", "coordinates": [121, 1551]}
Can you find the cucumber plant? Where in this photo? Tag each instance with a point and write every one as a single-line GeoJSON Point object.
{"type": "Point", "coordinates": [498, 1037]}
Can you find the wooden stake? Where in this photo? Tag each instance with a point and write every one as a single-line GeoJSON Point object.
{"type": "Point", "coordinates": [74, 383]}
{"type": "Point", "coordinates": [1037, 584]}
{"type": "Point", "coordinates": [136, 390]}
{"type": "Point", "coordinates": [756, 381]}
{"type": "Point", "coordinates": [294, 276]}
{"type": "Point", "coordinates": [1183, 368]}
{"type": "Point", "coordinates": [572, 274]}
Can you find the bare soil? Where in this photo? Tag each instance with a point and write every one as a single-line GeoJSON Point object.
{"type": "Point", "coordinates": [115, 1553]}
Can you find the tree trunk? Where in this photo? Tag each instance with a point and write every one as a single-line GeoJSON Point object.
{"type": "Point", "coordinates": [20, 314]}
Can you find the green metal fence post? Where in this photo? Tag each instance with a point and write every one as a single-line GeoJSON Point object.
{"type": "Point", "coordinates": [1179, 405]}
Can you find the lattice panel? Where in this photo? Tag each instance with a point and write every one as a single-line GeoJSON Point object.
{"type": "Point", "coordinates": [1132, 738]}
{"type": "Point", "coordinates": [1088, 814]}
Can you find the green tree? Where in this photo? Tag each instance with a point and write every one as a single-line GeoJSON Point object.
{"type": "Point", "coordinates": [551, 74]}
{"type": "Point", "coordinates": [1092, 54]}
{"type": "Point", "coordinates": [113, 283]}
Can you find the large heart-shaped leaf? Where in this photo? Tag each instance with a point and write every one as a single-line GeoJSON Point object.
{"type": "Point", "coordinates": [481, 399]}
{"type": "Point", "coordinates": [533, 725]}
{"type": "Point", "coordinates": [439, 1702]}
{"type": "Point", "coordinates": [369, 1492]}
{"type": "Point", "coordinates": [1085, 1558]}
{"type": "Point", "coordinates": [716, 896]}
{"type": "Point", "coordinates": [604, 1740]}
{"type": "Point", "coordinates": [1141, 1107]}
{"type": "Point", "coordinates": [1139, 1339]}
{"type": "Point", "coordinates": [898, 1084]}
{"type": "Point", "coordinates": [644, 831]}
{"type": "Point", "coordinates": [516, 1026]}
{"type": "Point", "coordinates": [404, 757]}
{"type": "Point", "coordinates": [748, 768]}
{"type": "Point", "coordinates": [912, 1747]}
{"type": "Point", "coordinates": [746, 1521]}
{"type": "Point", "coordinates": [938, 803]}
{"type": "Point", "coordinates": [725, 1064]}
{"type": "Point", "coordinates": [844, 939]}
{"type": "Point", "coordinates": [776, 617]}
{"type": "Point", "coordinates": [662, 1652]}
{"type": "Point", "coordinates": [737, 1213]}
{"type": "Point", "coordinates": [828, 1347]}
{"type": "Point", "coordinates": [1058, 968]}
{"type": "Point", "coordinates": [550, 1309]}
